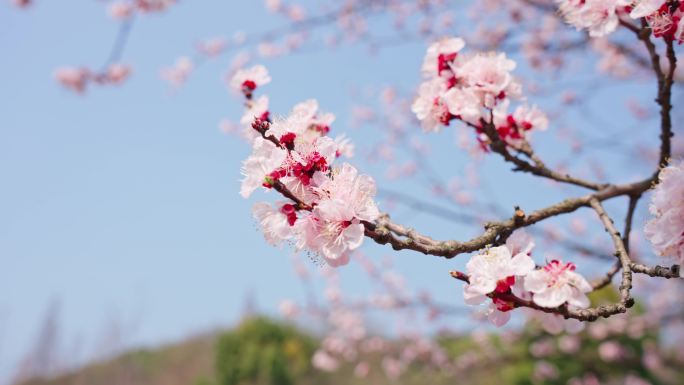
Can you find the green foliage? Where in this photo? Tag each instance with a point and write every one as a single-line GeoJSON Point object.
{"type": "Point", "coordinates": [261, 351]}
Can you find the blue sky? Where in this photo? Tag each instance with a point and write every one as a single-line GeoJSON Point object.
{"type": "Point", "coordinates": [122, 204]}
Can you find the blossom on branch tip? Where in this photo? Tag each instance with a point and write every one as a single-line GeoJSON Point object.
{"type": "Point", "coordinates": [475, 88]}
{"type": "Point", "coordinates": [494, 269]}
{"type": "Point", "coordinates": [247, 80]}
{"type": "Point", "coordinates": [499, 270]}
{"type": "Point", "coordinates": [440, 54]}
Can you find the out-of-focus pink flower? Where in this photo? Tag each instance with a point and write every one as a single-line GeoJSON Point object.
{"type": "Point", "coordinates": [288, 309]}
{"type": "Point", "coordinates": [392, 367]}
{"type": "Point", "coordinates": [362, 369]}
{"type": "Point", "coordinates": [321, 360]}
{"type": "Point", "coordinates": [296, 12]}
{"type": "Point", "coordinates": [569, 344]}
{"type": "Point", "coordinates": [178, 74]}
{"type": "Point", "coordinates": [121, 10]}
{"type": "Point", "coordinates": [154, 5]}
{"type": "Point", "coordinates": [274, 5]}
{"type": "Point", "coordinates": [631, 379]}
{"type": "Point", "coordinates": [610, 351]}
{"type": "Point", "coordinates": [213, 46]}
{"type": "Point", "coordinates": [22, 3]}
{"type": "Point", "coordinates": [117, 73]}
{"type": "Point", "coordinates": [73, 78]}
{"type": "Point", "coordinates": [544, 370]}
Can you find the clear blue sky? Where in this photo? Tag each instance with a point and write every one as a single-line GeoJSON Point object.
{"type": "Point", "coordinates": [122, 204]}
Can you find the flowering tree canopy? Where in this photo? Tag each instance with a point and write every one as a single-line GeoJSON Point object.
{"type": "Point", "coordinates": [330, 209]}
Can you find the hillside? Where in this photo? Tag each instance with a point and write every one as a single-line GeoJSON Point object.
{"type": "Point", "coordinates": [180, 363]}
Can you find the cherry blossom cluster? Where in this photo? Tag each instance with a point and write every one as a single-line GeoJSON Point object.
{"type": "Point", "coordinates": [506, 274]}
{"type": "Point", "coordinates": [294, 155]}
{"type": "Point", "coordinates": [77, 79]}
{"type": "Point", "coordinates": [601, 17]}
{"type": "Point", "coordinates": [476, 89]}
{"type": "Point", "coordinates": [666, 229]}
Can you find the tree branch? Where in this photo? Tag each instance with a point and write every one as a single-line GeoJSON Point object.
{"type": "Point", "coordinates": [620, 252]}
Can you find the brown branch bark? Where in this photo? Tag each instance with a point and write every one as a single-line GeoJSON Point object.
{"type": "Point", "coordinates": [403, 238]}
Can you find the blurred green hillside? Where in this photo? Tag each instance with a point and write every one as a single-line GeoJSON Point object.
{"type": "Point", "coordinates": [261, 351]}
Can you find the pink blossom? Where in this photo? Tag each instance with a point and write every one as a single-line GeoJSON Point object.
{"type": "Point", "coordinates": [362, 369]}
{"type": "Point", "coordinates": [556, 324]}
{"type": "Point", "coordinates": [22, 3]}
{"type": "Point", "coordinates": [256, 109]}
{"type": "Point", "coordinates": [117, 73]}
{"type": "Point", "coordinates": [344, 145]}
{"type": "Point", "coordinates": [296, 13]}
{"type": "Point", "coordinates": [73, 78]}
{"type": "Point", "coordinates": [599, 17]}
{"type": "Point", "coordinates": [288, 309]}
{"type": "Point", "coordinates": [308, 114]}
{"type": "Point", "coordinates": [321, 360]}
{"type": "Point", "coordinates": [530, 117]}
{"type": "Point", "coordinates": [213, 46]}
{"type": "Point", "coordinates": [439, 54]}
{"type": "Point", "coordinates": [557, 283]}
{"type": "Point", "coordinates": [265, 158]}
{"type": "Point", "coordinates": [276, 222]}
{"type": "Point", "coordinates": [179, 73]}
{"type": "Point", "coordinates": [488, 75]}
{"type": "Point", "coordinates": [273, 5]}
{"type": "Point", "coordinates": [331, 230]}
{"type": "Point", "coordinates": [121, 10]}
{"type": "Point", "coordinates": [569, 344]}
{"type": "Point", "coordinates": [154, 5]}
{"type": "Point", "coordinates": [392, 367]}
{"type": "Point", "coordinates": [464, 103]}
{"type": "Point", "coordinates": [430, 107]}
{"type": "Point", "coordinates": [666, 229]}
{"type": "Point", "coordinates": [610, 351]}
{"type": "Point", "coordinates": [544, 370]}
{"type": "Point", "coordinates": [494, 269]}
{"type": "Point", "coordinates": [632, 379]}
{"type": "Point", "coordinates": [643, 8]}
{"type": "Point", "coordinates": [356, 191]}
{"type": "Point", "coordinates": [247, 80]}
